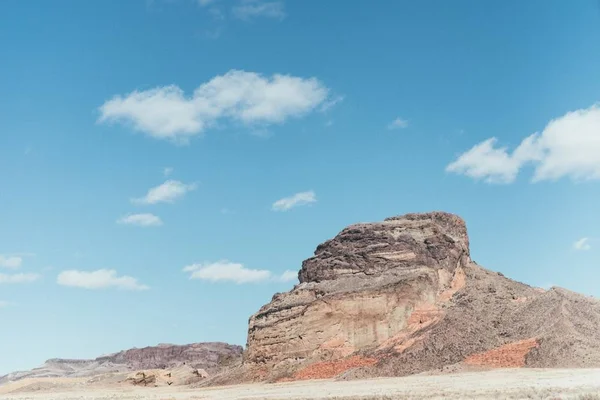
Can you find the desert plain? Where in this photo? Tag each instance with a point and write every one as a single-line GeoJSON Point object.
{"type": "Point", "coordinates": [517, 383]}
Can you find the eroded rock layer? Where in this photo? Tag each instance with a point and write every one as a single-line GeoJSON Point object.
{"type": "Point", "coordinates": [210, 357]}
{"type": "Point", "coordinates": [363, 290]}
{"type": "Point", "coordinates": [402, 296]}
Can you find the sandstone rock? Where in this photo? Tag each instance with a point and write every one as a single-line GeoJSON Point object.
{"type": "Point", "coordinates": [362, 290]}
{"type": "Point", "coordinates": [210, 358]}
{"type": "Point", "coordinates": [405, 293]}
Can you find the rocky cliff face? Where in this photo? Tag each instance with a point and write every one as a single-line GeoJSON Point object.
{"type": "Point", "coordinates": [362, 290]}
{"type": "Point", "coordinates": [210, 357]}
{"type": "Point", "coordinates": [403, 296]}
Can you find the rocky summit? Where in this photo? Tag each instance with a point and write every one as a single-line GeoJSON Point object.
{"type": "Point", "coordinates": [403, 296]}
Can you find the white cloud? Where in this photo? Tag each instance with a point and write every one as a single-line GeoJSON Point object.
{"type": "Point", "coordinates": [4, 304]}
{"type": "Point", "coordinates": [568, 146]}
{"type": "Point", "coordinates": [168, 171]}
{"type": "Point", "coordinates": [12, 262]}
{"type": "Point", "coordinates": [326, 106]}
{"type": "Point", "coordinates": [226, 271]}
{"type": "Point", "coordinates": [289, 276]}
{"type": "Point", "coordinates": [100, 279]}
{"type": "Point", "coordinates": [217, 15]}
{"type": "Point", "coordinates": [144, 220]}
{"type": "Point", "coordinates": [238, 96]}
{"type": "Point", "coordinates": [18, 278]}
{"type": "Point", "coordinates": [163, 113]}
{"type": "Point", "coordinates": [204, 3]}
{"type": "Point", "coordinates": [299, 199]}
{"type": "Point", "coordinates": [485, 161]}
{"type": "Point", "coordinates": [249, 9]}
{"type": "Point", "coordinates": [398, 123]}
{"type": "Point", "coordinates": [582, 244]}
{"type": "Point", "coordinates": [167, 192]}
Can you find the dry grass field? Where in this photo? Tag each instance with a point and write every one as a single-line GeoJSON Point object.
{"type": "Point", "coordinates": [579, 384]}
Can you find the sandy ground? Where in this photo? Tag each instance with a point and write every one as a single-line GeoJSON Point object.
{"type": "Point", "coordinates": [498, 384]}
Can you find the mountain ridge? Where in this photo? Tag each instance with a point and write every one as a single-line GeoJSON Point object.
{"type": "Point", "coordinates": [211, 357]}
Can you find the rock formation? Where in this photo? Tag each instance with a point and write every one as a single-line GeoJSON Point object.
{"type": "Point", "coordinates": [403, 296]}
{"type": "Point", "coordinates": [391, 298]}
{"type": "Point", "coordinates": [210, 357]}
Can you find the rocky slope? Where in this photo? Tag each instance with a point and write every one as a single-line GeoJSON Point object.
{"type": "Point", "coordinates": [390, 298]}
{"type": "Point", "coordinates": [210, 357]}
{"type": "Point", "coordinates": [403, 296]}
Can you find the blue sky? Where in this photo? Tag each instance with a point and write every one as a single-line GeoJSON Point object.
{"type": "Point", "coordinates": [165, 164]}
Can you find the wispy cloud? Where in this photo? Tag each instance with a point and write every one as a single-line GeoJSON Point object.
{"type": "Point", "coordinates": [167, 171]}
{"type": "Point", "coordinates": [4, 304]}
{"type": "Point", "coordinates": [227, 271]}
{"type": "Point", "coordinates": [213, 34]}
{"type": "Point", "coordinates": [250, 9]}
{"type": "Point", "coordinates": [99, 279]}
{"type": "Point", "coordinates": [238, 96]}
{"type": "Point", "coordinates": [568, 146]}
{"type": "Point", "coordinates": [18, 278]}
{"type": "Point", "coordinates": [398, 123]}
{"type": "Point", "coordinates": [144, 220]}
{"type": "Point", "coordinates": [582, 244]}
{"type": "Point", "coordinates": [216, 14]}
{"type": "Point", "coordinates": [289, 276]}
{"type": "Point", "coordinates": [167, 192]}
{"type": "Point", "coordinates": [298, 199]}
{"type": "Point", "coordinates": [12, 262]}
{"type": "Point", "coordinates": [329, 104]}
{"type": "Point", "coordinates": [204, 3]}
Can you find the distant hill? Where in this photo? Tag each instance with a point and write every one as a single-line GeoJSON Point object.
{"type": "Point", "coordinates": [210, 357]}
